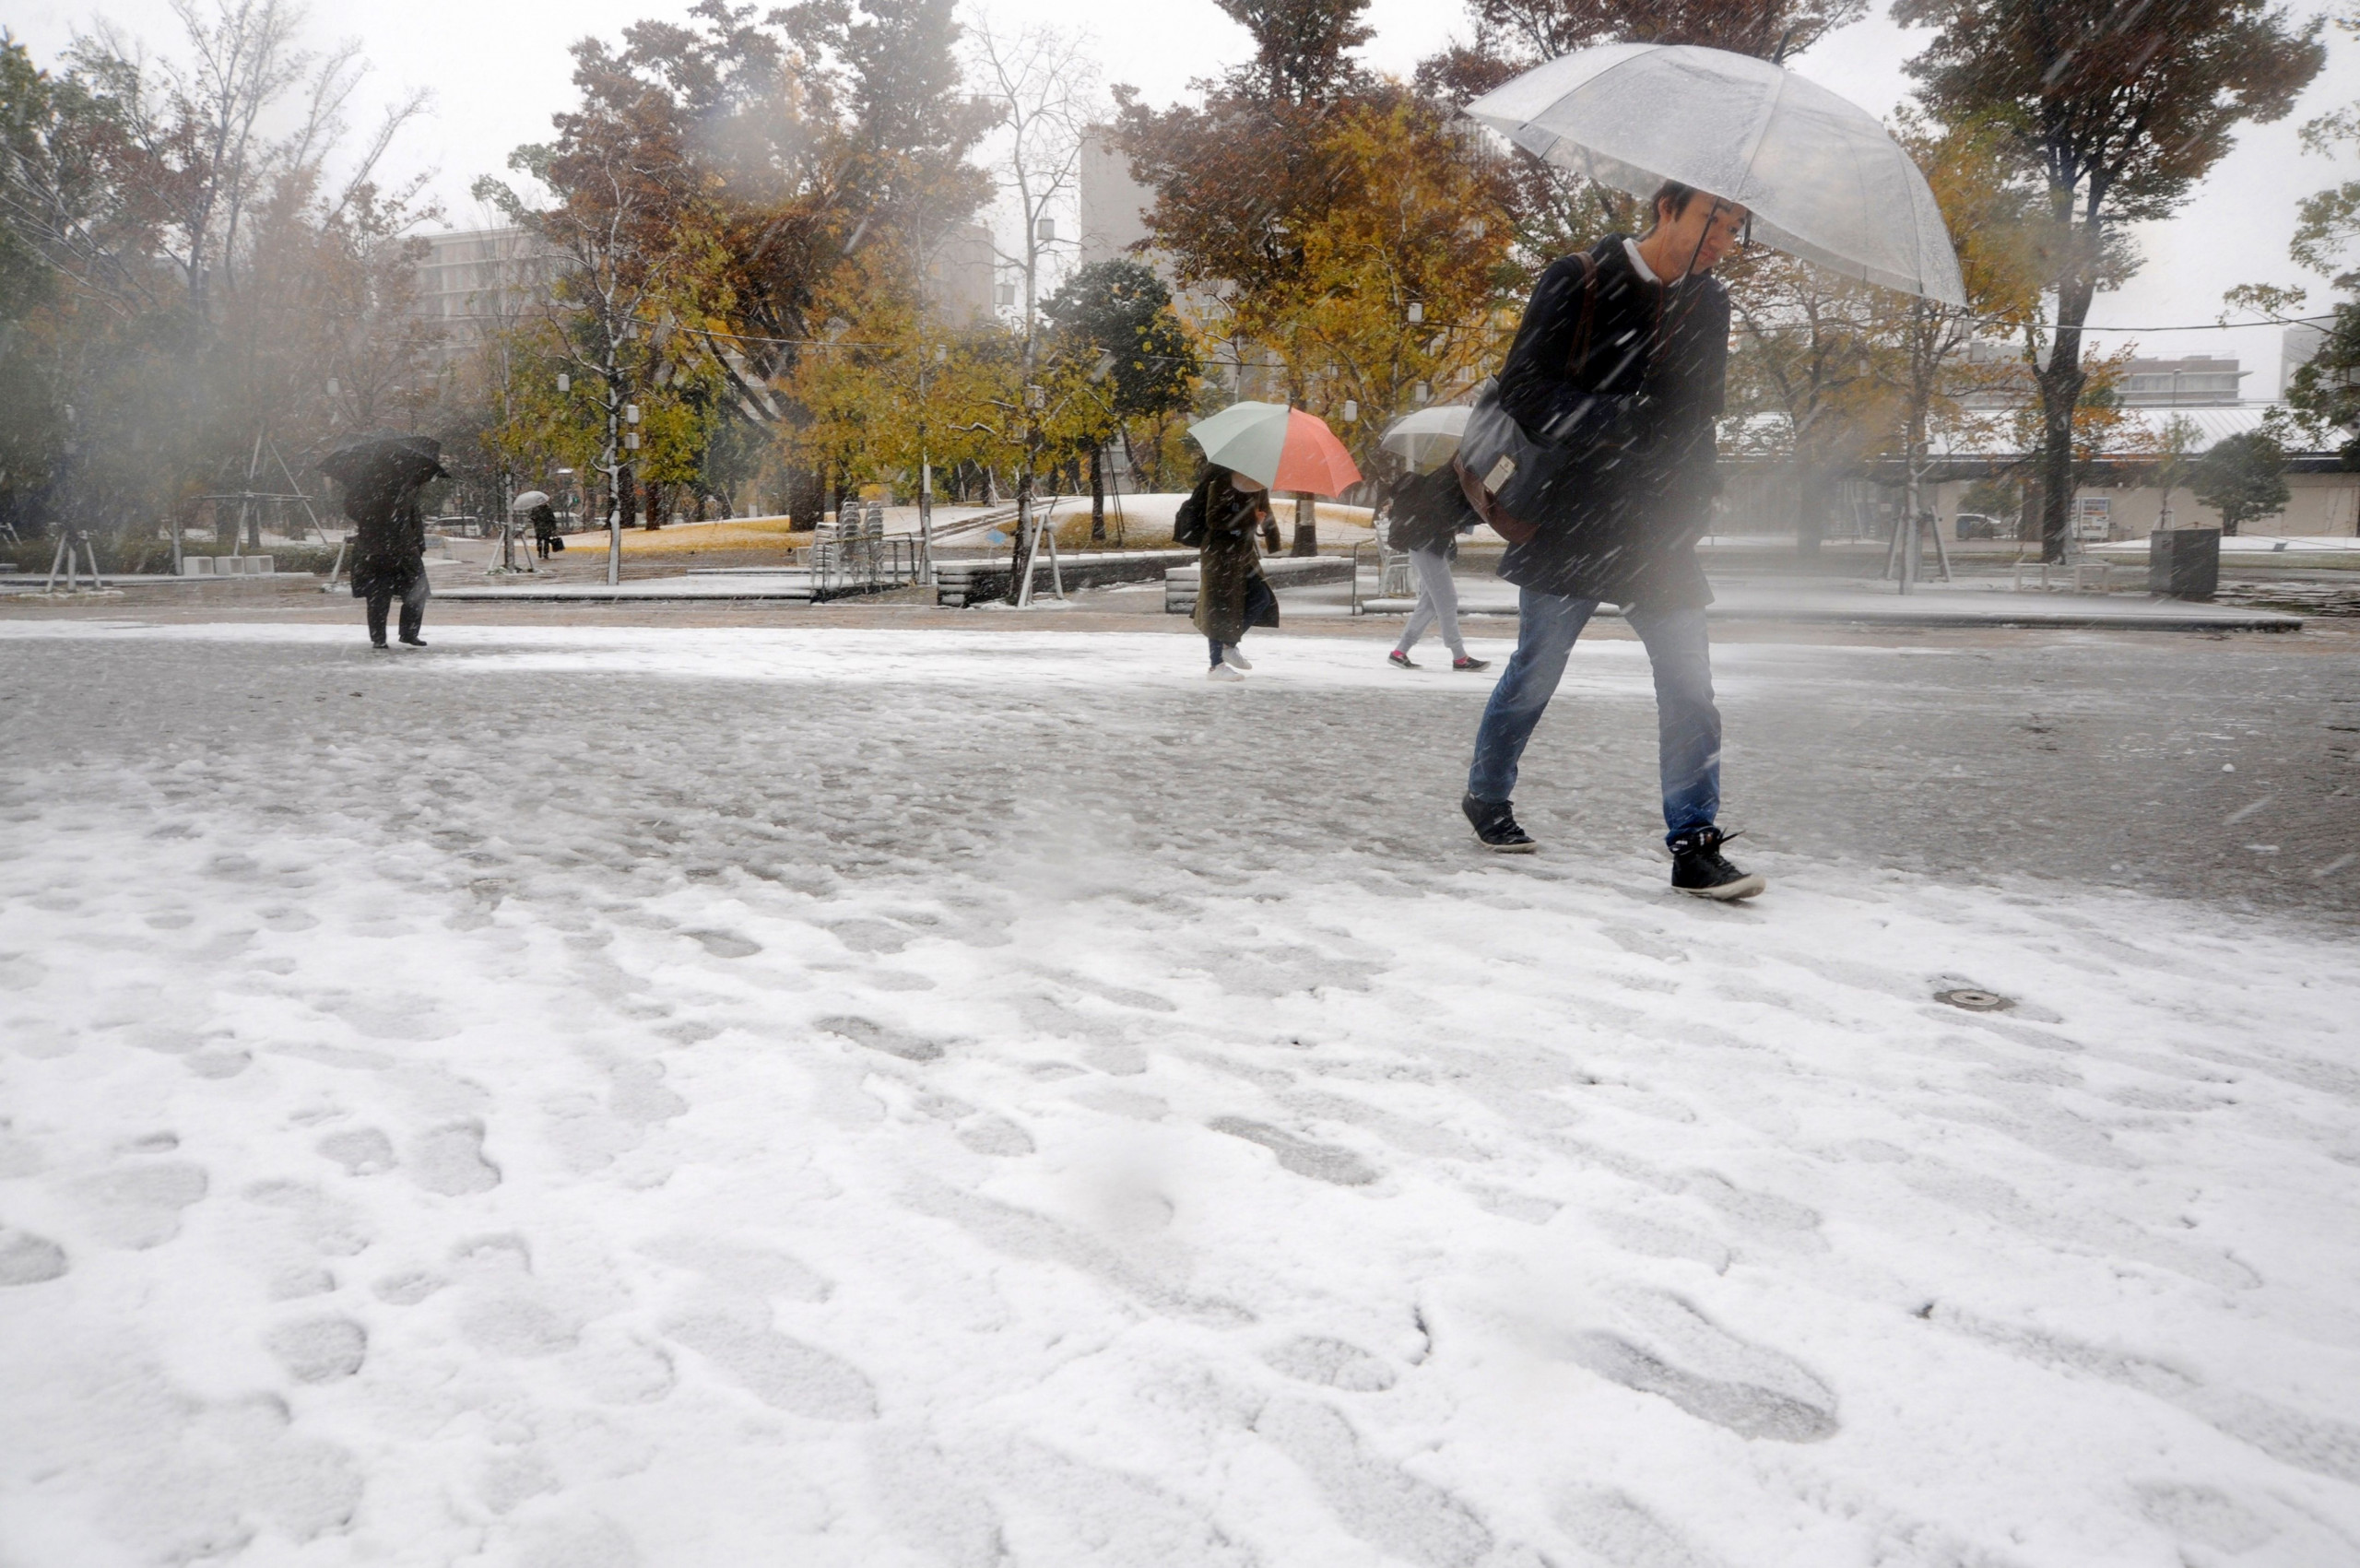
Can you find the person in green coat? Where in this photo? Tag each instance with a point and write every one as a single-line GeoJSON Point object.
{"type": "Point", "coordinates": [1223, 517]}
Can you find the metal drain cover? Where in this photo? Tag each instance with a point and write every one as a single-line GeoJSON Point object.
{"type": "Point", "coordinates": [1974, 1001]}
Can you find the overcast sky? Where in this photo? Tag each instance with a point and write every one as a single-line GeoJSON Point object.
{"type": "Point", "coordinates": [498, 67]}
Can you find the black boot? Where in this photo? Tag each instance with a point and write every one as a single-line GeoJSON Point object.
{"type": "Point", "coordinates": [1698, 868]}
{"type": "Point", "coordinates": [1496, 825]}
{"type": "Point", "coordinates": [413, 623]}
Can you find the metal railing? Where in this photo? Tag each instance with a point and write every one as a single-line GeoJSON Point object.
{"type": "Point", "coordinates": [1393, 577]}
{"type": "Point", "coordinates": [862, 564]}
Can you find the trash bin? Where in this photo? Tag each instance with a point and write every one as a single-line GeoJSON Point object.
{"type": "Point", "coordinates": [2184, 563]}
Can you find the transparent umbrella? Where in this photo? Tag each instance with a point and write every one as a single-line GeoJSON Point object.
{"type": "Point", "coordinates": [1822, 179]}
{"type": "Point", "coordinates": [1428, 438]}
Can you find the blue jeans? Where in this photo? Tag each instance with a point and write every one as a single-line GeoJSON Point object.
{"type": "Point", "coordinates": [1688, 726]}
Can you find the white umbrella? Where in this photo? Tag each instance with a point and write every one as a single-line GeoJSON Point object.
{"type": "Point", "coordinates": [1822, 178]}
{"type": "Point", "coordinates": [1429, 437]}
{"type": "Point", "coordinates": [528, 500]}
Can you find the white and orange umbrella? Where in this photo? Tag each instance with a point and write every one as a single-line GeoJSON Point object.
{"type": "Point", "coordinates": [1285, 448]}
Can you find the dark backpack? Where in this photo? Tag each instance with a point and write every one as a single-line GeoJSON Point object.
{"type": "Point", "coordinates": [1189, 522]}
{"type": "Point", "coordinates": [1427, 512]}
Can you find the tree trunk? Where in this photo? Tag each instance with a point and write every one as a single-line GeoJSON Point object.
{"type": "Point", "coordinates": [1022, 555]}
{"type": "Point", "coordinates": [1097, 495]}
{"type": "Point", "coordinates": [626, 491]}
{"type": "Point", "coordinates": [1306, 524]}
{"type": "Point", "coordinates": [2062, 381]}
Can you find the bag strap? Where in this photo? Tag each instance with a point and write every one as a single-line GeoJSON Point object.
{"type": "Point", "coordinates": [1580, 358]}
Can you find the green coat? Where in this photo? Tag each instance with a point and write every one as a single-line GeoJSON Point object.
{"type": "Point", "coordinates": [1229, 564]}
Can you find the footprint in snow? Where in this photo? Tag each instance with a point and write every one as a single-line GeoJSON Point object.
{"type": "Point", "coordinates": [28, 1260]}
{"type": "Point", "coordinates": [755, 1270]}
{"type": "Point", "coordinates": [1667, 1347]}
{"type": "Point", "coordinates": [726, 944]}
{"type": "Point", "coordinates": [407, 1287]}
{"type": "Point", "coordinates": [2203, 1515]}
{"type": "Point", "coordinates": [319, 1350]}
{"type": "Point", "coordinates": [139, 1206]}
{"type": "Point", "coordinates": [863, 936]}
{"type": "Point", "coordinates": [1320, 1162]}
{"type": "Point", "coordinates": [1387, 1507]}
{"type": "Point", "coordinates": [1331, 1364]}
{"type": "Point", "coordinates": [1618, 1531]}
{"type": "Point", "coordinates": [1661, 1238]}
{"type": "Point", "coordinates": [638, 1094]}
{"type": "Point", "coordinates": [362, 1152]}
{"type": "Point", "coordinates": [784, 1373]}
{"type": "Point", "coordinates": [449, 1160]}
{"type": "Point", "coordinates": [996, 1136]}
{"type": "Point", "coordinates": [877, 1037]}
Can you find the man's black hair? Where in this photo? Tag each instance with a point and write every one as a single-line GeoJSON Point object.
{"type": "Point", "coordinates": [1678, 195]}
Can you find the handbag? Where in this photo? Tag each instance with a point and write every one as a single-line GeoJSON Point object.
{"type": "Point", "coordinates": [1505, 475]}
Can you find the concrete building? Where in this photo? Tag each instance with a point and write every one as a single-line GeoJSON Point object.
{"type": "Point", "coordinates": [959, 277]}
{"type": "Point", "coordinates": [2191, 381]}
{"type": "Point", "coordinates": [475, 281]}
{"type": "Point", "coordinates": [1114, 206]}
{"type": "Point", "coordinates": [2120, 500]}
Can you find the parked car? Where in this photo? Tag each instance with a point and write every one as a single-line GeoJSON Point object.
{"type": "Point", "coordinates": [1976, 525]}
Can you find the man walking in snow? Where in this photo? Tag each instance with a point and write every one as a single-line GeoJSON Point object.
{"type": "Point", "coordinates": [1617, 373]}
{"type": "Point", "coordinates": [381, 478]}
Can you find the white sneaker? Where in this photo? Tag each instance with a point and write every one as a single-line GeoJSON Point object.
{"type": "Point", "coordinates": [1222, 672]}
{"type": "Point", "coordinates": [1236, 658]}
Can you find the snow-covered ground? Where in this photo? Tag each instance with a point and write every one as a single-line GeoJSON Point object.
{"type": "Point", "coordinates": [582, 1097]}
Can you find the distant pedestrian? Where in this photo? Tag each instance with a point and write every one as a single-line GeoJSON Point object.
{"type": "Point", "coordinates": [1425, 514]}
{"type": "Point", "coordinates": [1223, 517]}
{"type": "Point", "coordinates": [1617, 374]}
{"type": "Point", "coordinates": [544, 520]}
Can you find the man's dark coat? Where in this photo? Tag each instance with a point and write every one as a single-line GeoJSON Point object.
{"type": "Point", "coordinates": [1632, 378]}
{"type": "Point", "coordinates": [389, 541]}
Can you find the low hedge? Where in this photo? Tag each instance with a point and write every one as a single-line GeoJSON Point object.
{"type": "Point", "coordinates": [154, 556]}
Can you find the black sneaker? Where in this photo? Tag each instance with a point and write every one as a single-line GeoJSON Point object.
{"type": "Point", "coordinates": [1496, 825]}
{"type": "Point", "coordinates": [1400, 660]}
{"type": "Point", "coordinates": [1468, 662]}
{"type": "Point", "coordinates": [1698, 869]}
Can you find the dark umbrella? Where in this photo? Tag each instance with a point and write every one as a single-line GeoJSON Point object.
{"type": "Point", "coordinates": [391, 462]}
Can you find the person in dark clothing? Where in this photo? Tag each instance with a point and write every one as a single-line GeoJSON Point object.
{"type": "Point", "coordinates": [1424, 515]}
{"type": "Point", "coordinates": [1223, 517]}
{"type": "Point", "coordinates": [544, 520]}
{"type": "Point", "coordinates": [1621, 361]}
{"type": "Point", "coordinates": [381, 477]}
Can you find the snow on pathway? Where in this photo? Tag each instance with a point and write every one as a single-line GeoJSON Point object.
{"type": "Point", "coordinates": [964, 1100]}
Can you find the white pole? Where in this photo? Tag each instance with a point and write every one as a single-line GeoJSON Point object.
{"type": "Point", "coordinates": [1910, 545]}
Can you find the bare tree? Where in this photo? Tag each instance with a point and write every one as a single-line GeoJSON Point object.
{"type": "Point", "coordinates": [198, 121]}
{"type": "Point", "coordinates": [1043, 95]}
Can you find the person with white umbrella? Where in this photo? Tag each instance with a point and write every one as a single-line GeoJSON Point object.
{"type": "Point", "coordinates": [535, 505]}
{"type": "Point", "coordinates": [1424, 514]}
{"type": "Point", "coordinates": [1593, 454]}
